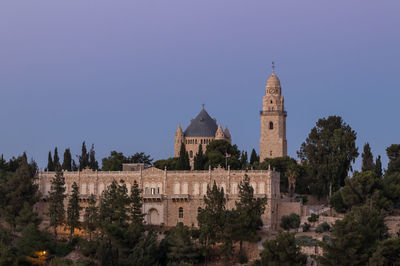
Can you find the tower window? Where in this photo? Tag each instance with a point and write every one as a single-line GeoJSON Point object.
{"type": "Point", "coordinates": [191, 154]}
{"type": "Point", "coordinates": [180, 212]}
{"type": "Point", "coordinates": [271, 125]}
{"type": "Point", "coordinates": [271, 101]}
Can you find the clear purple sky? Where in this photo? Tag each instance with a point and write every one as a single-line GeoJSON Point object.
{"type": "Point", "coordinates": [122, 74]}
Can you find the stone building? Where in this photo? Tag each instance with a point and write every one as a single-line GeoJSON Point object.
{"type": "Point", "coordinates": [171, 196]}
{"type": "Point", "coordinates": [273, 141]}
{"type": "Point", "coordinates": [201, 131]}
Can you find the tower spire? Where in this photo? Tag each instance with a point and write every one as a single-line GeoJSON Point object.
{"type": "Point", "coordinates": [273, 67]}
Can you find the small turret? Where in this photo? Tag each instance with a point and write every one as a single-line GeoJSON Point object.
{"type": "Point", "coordinates": [179, 139]}
{"type": "Point", "coordinates": [219, 134]}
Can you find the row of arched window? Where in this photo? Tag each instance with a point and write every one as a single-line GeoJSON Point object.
{"type": "Point", "coordinates": [201, 188]}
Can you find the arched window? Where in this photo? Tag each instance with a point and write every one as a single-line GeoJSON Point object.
{"type": "Point", "coordinates": [180, 212]}
{"type": "Point", "coordinates": [271, 125]}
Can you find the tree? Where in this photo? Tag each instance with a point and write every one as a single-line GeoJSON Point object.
{"type": "Point", "coordinates": [180, 245]}
{"type": "Point", "coordinates": [254, 157]}
{"type": "Point", "coordinates": [67, 162]}
{"type": "Point", "coordinates": [216, 154]}
{"type": "Point", "coordinates": [244, 160]}
{"type": "Point", "coordinates": [199, 159]}
{"type": "Point", "coordinates": [113, 162]}
{"type": "Point", "coordinates": [387, 253]}
{"type": "Point", "coordinates": [248, 214]}
{"type": "Point", "coordinates": [50, 164]}
{"type": "Point", "coordinates": [328, 153]}
{"type": "Point", "coordinates": [378, 166]}
{"type": "Point", "coordinates": [183, 160]}
{"type": "Point", "coordinates": [56, 201]}
{"type": "Point", "coordinates": [393, 153]}
{"type": "Point", "coordinates": [354, 239]}
{"type": "Point", "coordinates": [93, 164]}
{"type": "Point", "coordinates": [26, 217]}
{"type": "Point", "coordinates": [140, 157]}
{"type": "Point", "coordinates": [56, 160]}
{"type": "Point", "coordinates": [391, 188]}
{"type": "Point", "coordinates": [170, 163]}
{"type": "Point", "coordinates": [291, 221]}
{"type": "Point", "coordinates": [84, 157]}
{"type": "Point", "coordinates": [136, 200]}
{"type": "Point", "coordinates": [91, 216]}
{"type": "Point", "coordinates": [211, 218]}
{"type": "Point", "coordinates": [367, 159]}
{"type": "Point", "coordinates": [18, 189]}
{"type": "Point", "coordinates": [282, 251]}
{"type": "Point", "coordinates": [73, 210]}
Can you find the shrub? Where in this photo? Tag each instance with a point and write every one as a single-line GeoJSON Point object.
{"type": "Point", "coordinates": [313, 218]}
{"type": "Point", "coordinates": [291, 221]}
{"type": "Point", "coordinates": [324, 227]}
{"type": "Point", "coordinates": [306, 227]}
{"type": "Point", "coordinates": [307, 241]}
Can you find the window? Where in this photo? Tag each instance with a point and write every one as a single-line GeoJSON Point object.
{"type": "Point", "coordinates": [153, 191]}
{"type": "Point", "coordinates": [191, 154]}
{"type": "Point", "coordinates": [180, 212]}
{"type": "Point", "coordinates": [271, 125]}
{"type": "Point", "coordinates": [271, 101]}
{"type": "Point", "coordinates": [198, 211]}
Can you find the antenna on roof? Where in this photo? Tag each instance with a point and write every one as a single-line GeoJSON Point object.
{"type": "Point", "coordinates": [273, 67]}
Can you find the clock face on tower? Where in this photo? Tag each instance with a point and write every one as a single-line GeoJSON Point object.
{"type": "Point", "coordinates": [273, 91]}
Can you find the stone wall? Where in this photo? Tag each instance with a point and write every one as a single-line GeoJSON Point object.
{"type": "Point", "coordinates": [172, 196]}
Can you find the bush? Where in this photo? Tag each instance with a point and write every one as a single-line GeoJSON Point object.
{"type": "Point", "coordinates": [306, 241]}
{"type": "Point", "coordinates": [88, 248]}
{"type": "Point", "coordinates": [291, 221]}
{"type": "Point", "coordinates": [313, 218]}
{"type": "Point", "coordinates": [306, 227]}
{"type": "Point", "coordinates": [324, 227]}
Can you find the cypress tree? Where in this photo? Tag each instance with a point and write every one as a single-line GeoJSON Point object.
{"type": "Point", "coordinates": [56, 201]}
{"type": "Point", "coordinates": [378, 166]}
{"type": "Point", "coordinates": [56, 160]}
{"type": "Point", "coordinates": [67, 162]}
{"type": "Point", "coordinates": [136, 205]}
{"type": "Point", "coordinates": [243, 160]}
{"type": "Point", "coordinates": [84, 157]}
{"type": "Point", "coordinates": [91, 222]}
{"type": "Point", "coordinates": [254, 157]}
{"type": "Point", "coordinates": [50, 164]}
{"type": "Point", "coordinates": [199, 159]}
{"type": "Point", "coordinates": [93, 164]}
{"type": "Point", "coordinates": [367, 159]}
{"type": "Point", "coordinates": [73, 210]}
{"type": "Point", "coordinates": [183, 160]}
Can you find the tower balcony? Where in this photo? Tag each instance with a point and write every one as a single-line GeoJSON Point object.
{"type": "Point", "coordinates": [273, 112]}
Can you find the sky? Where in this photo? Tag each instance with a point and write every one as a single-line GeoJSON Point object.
{"type": "Point", "coordinates": [122, 74]}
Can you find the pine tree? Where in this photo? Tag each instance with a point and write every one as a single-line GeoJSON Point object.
{"type": "Point", "coordinates": [67, 162]}
{"type": "Point", "coordinates": [27, 216]}
{"type": "Point", "coordinates": [243, 160]}
{"type": "Point", "coordinates": [248, 213]}
{"type": "Point", "coordinates": [211, 219]}
{"type": "Point", "coordinates": [180, 245]}
{"type": "Point", "coordinates": [56, 160]}
{"type": "Point", "coordinates": [254, 157]}
{"type": "Point", "coordinates": [136, 200]}
{"type": "Point", "coordinates": [378, 166]}
{"type": "Point", "coordinates": [183, 160]}
{"type": "Point", "coordinates": [367, 159]}
{"type": "Point", "coordinates": [91, 221]}
{"type": "Point", "coordinates": [56, 201]}
{"type": "Point", "coordinates": [93, 164]}
{"type": "Point", "coordinates": [83, 158]}
{"type": "Point", "coordinates": [199, 159]}
{"type": "Point", "coordinates": [18, 190]}
{"type": "Point", "coordinates": [73, 210]}
{"type": "Point", "coordinates": [50, 164]}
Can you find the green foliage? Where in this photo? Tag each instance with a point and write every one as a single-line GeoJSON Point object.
{"type": "Point", "coordinates": [170, 163]}
{"type": "Point", "coordinates": [199, 159]}
{"type": "Point", "coordinates": [354, 239]}
{"type": "Point", "coordinates": [56, 201]}
{"type": "Point", "coordinates": [136, 207]}
{"type": "Point", "coordinates": [84, 157]}
{"type": "Point", "coordinates": [306, 241]}
{"type": "Point", "coordinates": [216, 154]}
{"type": "Point", "coordinates": [91, 216]}
{"type": "Point", "coordinates": [306, 227]}
{"type": "Point", "coordinates": [50, 164]}
{"type": "Point", "coordinates": [244, 160]}
{"type": "Point", "coordinates": [56, 160]}
{"type": "Point", "coordinates": [323, 227]}
{"type": "Point", "coordinates": [393, 153]}
{"type": "Point", "coordinates": [254, 157]}
{"type": "Point", "coordinates": [93, 164]}
{"type": "Point", "coordinates": [378, 166]}
{"type": "Point", "coordinates": [313, 218]}
{"type": "Point", "coordinates": [282, 251]}
{"type": "Point", "coordinates": [116, 159]}
{"type": "Point", "coordinates": [181, 248]}
{"type": "Point", "coordinates": [291, 221]}
{"type": "Point", "coordinates": [7, 254]}
{"type": "Point", "coordinates": [31, 240]}
{"type": "Point", "coordinates": [67, 162]}
{"type": "Point", "coordinates": [327, 155]}
{"type": "Point", "coordinates": [145, 252]}
{"type": "Point", "coordinates": [27, 216]}
{"type": "Point", "coordinates": [387, 253]}
{"type": "Point", "coordinates": [183, 162]}
{"type": "Point", "coordinates": [391, 188]}
{"type": "Point", "coordinates": [367, 159]}
{"type": "Point", "coordinates": [73, 210]}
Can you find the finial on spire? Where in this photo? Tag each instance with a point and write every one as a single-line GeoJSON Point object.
{"type": "Point", "coordinates": [202, 105]}
{"type": "Point", "coordinates": [273, 67]}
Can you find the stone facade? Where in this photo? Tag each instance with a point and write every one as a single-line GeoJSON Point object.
{"type": "Point", "coordinates": [273, 141]}
{"type": "Point", "coordinates": [172, 196]}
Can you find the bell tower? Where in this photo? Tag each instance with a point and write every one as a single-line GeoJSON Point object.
{"type": "Point", "coordinates": [273, 141]}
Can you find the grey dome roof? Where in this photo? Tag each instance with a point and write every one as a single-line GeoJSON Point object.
{"type": "Point", "coordinates": [202, 126]}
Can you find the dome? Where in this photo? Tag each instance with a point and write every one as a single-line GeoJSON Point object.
{"type": "Point", "coordinates": [202, 126]}
{"type": "Point", "coordinates": [273, 81]}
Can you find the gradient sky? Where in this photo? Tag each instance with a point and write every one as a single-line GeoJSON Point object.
{"type": "Point", "coordinates": [122, 74]}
